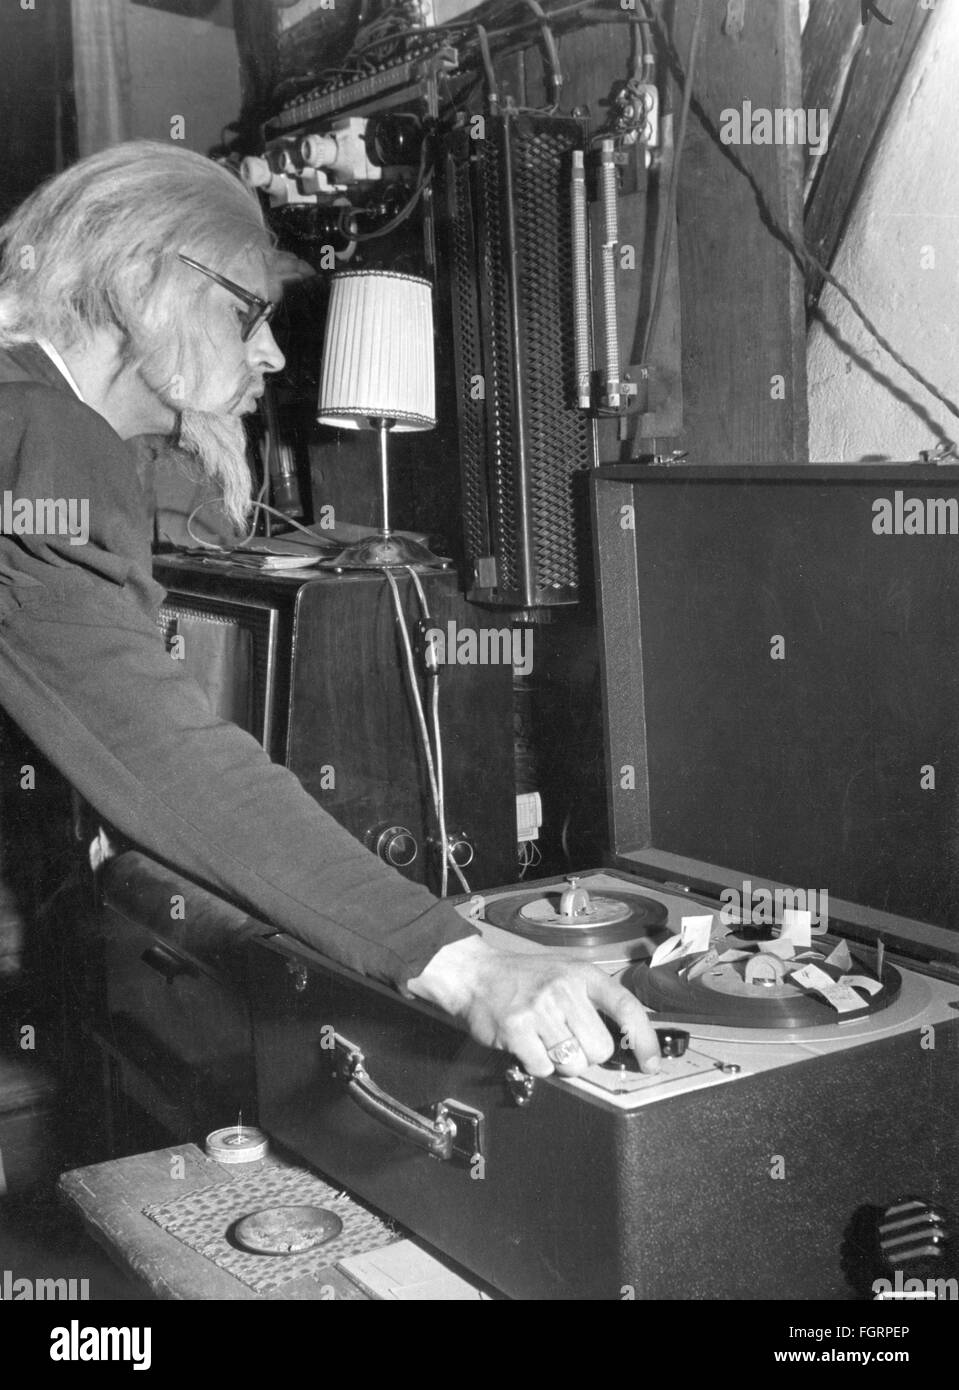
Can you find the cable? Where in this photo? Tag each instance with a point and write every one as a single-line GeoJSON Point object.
{"type": "Point", "coordinates": [414, 686]}
{"type": "Point", "coordinates": [812, 261]}
{"type": "Point", "coordinates": [578, 5]}
{"type": "Point", "coordinates": [258, 506]}
{"type": "Point", "coordinates": [806, 259]}
{"type": "Point", "coordinates": [458, 101]}
{"type": "Point", "coordinates": [445, 853]}
{"type": "Point", "coordinates": [439, 800]}
{"type": "Point", "coordinates": [354, 237]}
{"type": "Point", "coordinates": [564, 836]}
{"type": "Point", "coordinates": [209, 501]}
{"type": "Point", "coordinates": [423, 179]}
{"type": "Point", "coordinates": [424, 731]}
{"type": "Point", "coordinates": [434, 677]}
{"type": "Point", "coordinates": [637, 49]}
{"type": "Point", "coordinates": [555, 67]}
{"type": "Point", "coordinates": [435, 768]}
{"type": "Point", "coordinates": [492, 88]}
{"type": "Point", "coordinates": [198, 540]}
{"type": "Point", "coordinates": [529, 856]}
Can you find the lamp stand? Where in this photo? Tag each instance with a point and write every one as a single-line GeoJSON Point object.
{"type": "Point", "coordinates": [384, 551]}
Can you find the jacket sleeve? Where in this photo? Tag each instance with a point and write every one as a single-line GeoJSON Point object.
{"type": "Point", "coordinates": [84, 672]}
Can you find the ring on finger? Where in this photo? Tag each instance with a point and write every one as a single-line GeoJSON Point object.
{"type": "Point", "coordinates": [564, 1051]}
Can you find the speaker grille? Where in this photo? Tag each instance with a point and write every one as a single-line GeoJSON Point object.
{"type": "Point", "coordinates": [523, 445]}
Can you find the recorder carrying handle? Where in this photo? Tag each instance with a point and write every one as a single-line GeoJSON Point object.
{"type": "Point", "coordinates": [452, 1130]}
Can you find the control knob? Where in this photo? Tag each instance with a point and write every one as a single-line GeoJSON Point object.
{"type": "Point", "coordinates": [460, 849]}
{"type": "Point", "coordinates": [256, 172]}
{"type": "Point", "coordinates": [395, 845]}
{"type": "Point", "coordinates": [318, 151]}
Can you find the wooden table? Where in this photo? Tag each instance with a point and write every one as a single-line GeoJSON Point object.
{"type": "Point", "coordinates": [110, 1198]}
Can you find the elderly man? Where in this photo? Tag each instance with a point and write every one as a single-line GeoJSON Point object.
{"type": "Point", "coordinates": [135, 298]}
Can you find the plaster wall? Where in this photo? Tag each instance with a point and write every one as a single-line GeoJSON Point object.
{"type": "Point", "coordinates": [181, 67]}
{"type": "Point", "coordinates": [900, 258]}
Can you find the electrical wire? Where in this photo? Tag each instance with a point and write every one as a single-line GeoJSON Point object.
{"type": "Point", "coordinates": [458, 100]}
{"type": "Point", "coordinates": [423, 179]}
{"type": "Point", "coordinates": [812, 262]}
{"type": "Point", "coordinates": [529, 856]}
{"type": "Point", "coordinates": [346, 220]}
{"type": "Point", "coordinates": [210, 501]}
{"type": "Point", "coordinates": [491, 87]}
{"type": "Point", "coordinates": [391, 32]}
{"type": "Point", "coordinates": [198, 540]}
{"type": "Point", "coordinates": [564, 836]}
{"type": "Point", "coordinates": [414, 684]}
{"type": "Point", "coordinates": [551, 15]}
{"type": "Point", "coordinates": [549, 42]}
{"type": "Point", "coordinates": [806, 259]}
{"type": "Point", "coordinates": [637, 50]}
{"type": "Point", "coordinates": [438, 751]}
{"type": "Point", "coordinates": [435, 777]}
{"type": "Point", "coordinates": [445, 851]}
{"type": "Point", "coordinates": [258, 505]}
{"type": "Point", "coordinates": [439, 799]}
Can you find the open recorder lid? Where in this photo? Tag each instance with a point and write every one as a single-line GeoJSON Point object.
{"type": "Point", "coordinates": [780, 661]}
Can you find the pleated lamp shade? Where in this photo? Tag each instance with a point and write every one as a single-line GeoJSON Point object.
{"type": "Point", "coordinates": [378, 352]}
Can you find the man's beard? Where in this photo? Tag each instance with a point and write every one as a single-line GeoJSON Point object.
{"type": "Point", "coordinates": [218, 442]}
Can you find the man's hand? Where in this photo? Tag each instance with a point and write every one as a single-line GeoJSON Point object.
{"type": "Point", "coordinates": [543, 1010]}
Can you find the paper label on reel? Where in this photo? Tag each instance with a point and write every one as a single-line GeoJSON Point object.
{"type": "Point", "coordinates": [783, 947]}
{"type": "Point", "coordinates": [695, 933]}
{"type": "Point", "coordinates": [704, 963]}
{"type": "Point", "coordinates": [665, 951]}
{"type": "Point", "coordinates": [841, 957]}
{"type": "Point", "coordinates": [840, 996]}
{"type": "Point", "coordinates": [797, 928]}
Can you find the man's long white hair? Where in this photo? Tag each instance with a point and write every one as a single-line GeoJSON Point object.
{"type": "Point", "coordinates": [97, 247]}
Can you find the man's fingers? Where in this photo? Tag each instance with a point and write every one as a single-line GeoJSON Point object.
{"type": "Point", "coordinates": [538, 1029]}
{"type": "Point", "coordinates": [529, 1050]}
{"type": "Point", "coordinates": [563, 1030]}
{"type": "Point", "coordinates": [546, 1012]}
{"type": "Point", "coordinates": [628, 1012]}
{"type": "Point", "coordinates": [589, 1028]}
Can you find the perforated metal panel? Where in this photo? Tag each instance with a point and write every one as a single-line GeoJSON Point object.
{"type": "Point", "coordinates": [523, 442]}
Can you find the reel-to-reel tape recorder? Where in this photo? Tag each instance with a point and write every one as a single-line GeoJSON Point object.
{"type": "Point", "coordinates": [754, 1164]}
{"type": "Point", "coordinates": [739, 1019]}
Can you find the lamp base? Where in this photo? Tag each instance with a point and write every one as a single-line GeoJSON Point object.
{"type": "Point", "coordinates": [387, 552]}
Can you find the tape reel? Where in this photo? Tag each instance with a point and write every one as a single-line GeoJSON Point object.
{"type": "Point", "coordinates": [237, 1144]}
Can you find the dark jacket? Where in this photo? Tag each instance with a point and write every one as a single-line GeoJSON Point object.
{"type": "Point", "coordinates": [85, 674]}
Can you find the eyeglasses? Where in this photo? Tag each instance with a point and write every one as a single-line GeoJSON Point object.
{"type": "Point", "coordinates": [258, 310]}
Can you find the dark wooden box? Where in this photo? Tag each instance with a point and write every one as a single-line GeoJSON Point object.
{"type": "Point", "coordinates": [312, 664]}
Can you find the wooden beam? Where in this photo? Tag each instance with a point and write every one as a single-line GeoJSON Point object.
{"type": "Point", "coordinates": [742, 291]}
{"type": "Point", "coordinates": [855, 71]}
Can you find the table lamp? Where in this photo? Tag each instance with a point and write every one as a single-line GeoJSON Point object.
{"type": "Point", "coordinates": [377, 374]}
